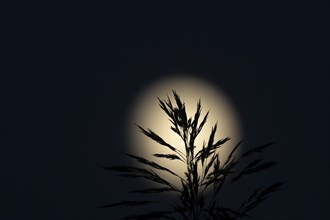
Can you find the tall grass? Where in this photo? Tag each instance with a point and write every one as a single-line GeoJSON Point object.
{"type": "Point", "coordinates": [196, 201]}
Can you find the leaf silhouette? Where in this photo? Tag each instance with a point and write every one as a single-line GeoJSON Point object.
{"type": "Point", "coordinates": [156, 138]}
{"type": "Point", "coordinates": [152, 164]}
{"type": "Point", "coordinates": [201, 125]}
{"type": "Point", "coordinates": [254, 168]}
{"type": "Point", "coordinates": [231, 156]}
{"type": "Point", "coordinates": [209, 165]}
{"type": "Point", "coordinates": [168, 156]}
{"type": "Point", "coordinates": [258, 196]}
{"type": "Point", "coordinates": [197, 115]}
{"type": "Point", "coordinates": [135, 172]}
{"type": "Point", "coordinates": [257, 149]}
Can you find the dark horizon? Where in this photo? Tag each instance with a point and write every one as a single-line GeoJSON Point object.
{"type": "Point", "coordinates": [70, 71]}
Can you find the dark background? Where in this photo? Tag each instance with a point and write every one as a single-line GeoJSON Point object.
{"type": "Point", "coordinates": [70, 71]}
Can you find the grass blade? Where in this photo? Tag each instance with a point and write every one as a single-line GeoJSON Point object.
{"type": "Point", "coordinates": [256, 150]}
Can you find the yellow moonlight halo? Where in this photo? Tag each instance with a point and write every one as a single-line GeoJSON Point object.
{"type": "Point", "coordinates": [147, 113]}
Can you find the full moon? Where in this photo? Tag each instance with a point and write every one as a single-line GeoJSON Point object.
{"type": "Point", "coordinates": [147, 113]}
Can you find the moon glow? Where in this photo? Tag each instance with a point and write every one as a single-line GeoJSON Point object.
{"type": "Point", "coordinates": [146, 113]}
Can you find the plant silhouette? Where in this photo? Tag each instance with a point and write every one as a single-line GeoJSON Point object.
{"type": "Point", "coordinates": [195, 203]}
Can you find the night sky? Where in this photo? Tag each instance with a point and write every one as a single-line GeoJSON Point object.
{"type": "Point", "coordinates": [71, 71]}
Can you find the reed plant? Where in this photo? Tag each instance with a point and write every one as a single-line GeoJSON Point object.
{"type": "Point", "coordinates": [205, 174]}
